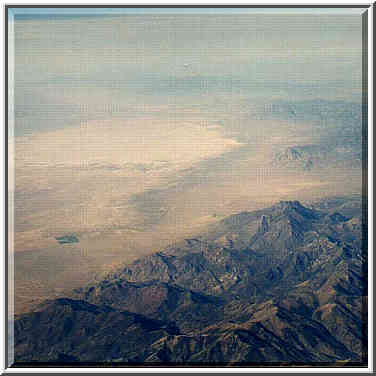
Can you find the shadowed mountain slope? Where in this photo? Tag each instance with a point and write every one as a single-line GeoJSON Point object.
{"type": "Point", "coordinates": [282, 285]}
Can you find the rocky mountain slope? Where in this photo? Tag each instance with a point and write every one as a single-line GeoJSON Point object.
{"type": "Point", "coordinates": [284, 285]}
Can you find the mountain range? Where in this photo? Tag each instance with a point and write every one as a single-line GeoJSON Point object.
{"type": "Point", "coordinates": [285, 285]}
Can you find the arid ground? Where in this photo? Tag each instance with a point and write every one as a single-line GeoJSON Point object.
{"type": "Point", "coordinates": [128, 188]}
{"type": "Point", "coordinates": [132, 132]}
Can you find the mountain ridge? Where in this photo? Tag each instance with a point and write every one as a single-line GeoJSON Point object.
{"type": "Point", "coordinates": [286, 285]}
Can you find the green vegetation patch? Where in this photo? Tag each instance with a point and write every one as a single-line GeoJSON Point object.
{"type": "Point", "coordinates": [67, 239]}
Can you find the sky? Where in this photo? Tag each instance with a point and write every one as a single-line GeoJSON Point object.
{"type": "Point", "coordinates": [120, 63]}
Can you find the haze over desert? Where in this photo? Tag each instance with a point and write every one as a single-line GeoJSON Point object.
{"type": "Point", "coordinates": [135, 131]}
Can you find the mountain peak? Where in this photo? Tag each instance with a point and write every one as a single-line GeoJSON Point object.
{"type": "Point", "coordinates": [289, 204]}
{"type": "Point", "coordinates": [295, 207]}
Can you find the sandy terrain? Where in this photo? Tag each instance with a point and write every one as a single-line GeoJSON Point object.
{"type": "Point", "coordinates": [128, 188]}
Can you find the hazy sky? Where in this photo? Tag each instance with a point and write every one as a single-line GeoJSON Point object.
{"type": "Point", "coordinates": [70, 68]}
